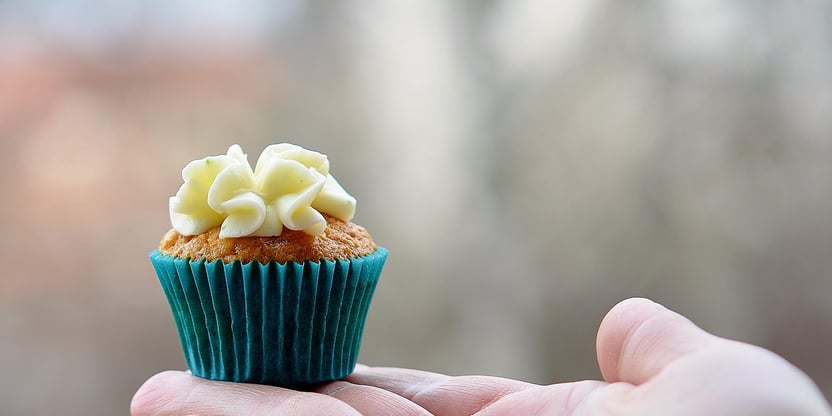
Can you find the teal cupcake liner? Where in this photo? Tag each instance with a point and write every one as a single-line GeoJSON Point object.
{"type": "Point", "coordinates": [288, 324]}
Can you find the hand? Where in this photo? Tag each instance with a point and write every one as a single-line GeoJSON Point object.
{"type": "Point", "coordinates": [654, 362]}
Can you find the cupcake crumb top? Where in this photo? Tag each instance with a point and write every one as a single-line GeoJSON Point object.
{"type": "Point", "coordinates": [340, 240]}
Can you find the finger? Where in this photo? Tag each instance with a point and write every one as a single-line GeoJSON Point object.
{"type": "Point", "coordinates": [174, 393]}
{"type": "Point", "coordinates": [369, 400]}
{"type": "Point", "coordinates": [437, 393]}
{"type": "Point", "coordinates": [564, 399]}
{"type": "Point", "coordinates": [639, 337]}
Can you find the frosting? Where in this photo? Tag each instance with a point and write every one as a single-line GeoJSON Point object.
{"type": "Point", "coordinates": [289, 187]}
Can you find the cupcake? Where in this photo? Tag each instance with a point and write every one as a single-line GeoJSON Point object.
{"type": "Point", "coordinates": [267, 278]}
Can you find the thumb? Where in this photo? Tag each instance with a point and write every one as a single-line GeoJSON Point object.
{"type": "Point", "coordinates": [639, 337]}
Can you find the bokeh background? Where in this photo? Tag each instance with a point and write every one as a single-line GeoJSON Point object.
{"type": "Point", "coordinates": [528, 164]}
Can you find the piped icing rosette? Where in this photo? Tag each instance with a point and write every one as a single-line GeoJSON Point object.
{"type": "Point", "coordinates": [289, 187]}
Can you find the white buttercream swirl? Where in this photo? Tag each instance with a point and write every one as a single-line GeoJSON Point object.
{"type": "Point", "coordinates": [289, 187]}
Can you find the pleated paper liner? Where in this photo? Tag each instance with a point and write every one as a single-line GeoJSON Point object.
{"type": "Point", "coordinates": [289, 324]}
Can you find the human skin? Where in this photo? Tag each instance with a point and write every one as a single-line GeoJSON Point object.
{"type": "Point", "coordinates": [653, 361]}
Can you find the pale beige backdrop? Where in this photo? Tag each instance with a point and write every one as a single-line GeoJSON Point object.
{"type": "Point", "coordinates": [527, 163]}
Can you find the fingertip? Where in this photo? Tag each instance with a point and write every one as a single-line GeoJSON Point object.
{"type": "Point", "coordinates": [178, 393]}
{"type": "Point", "coordinates": [633, 307]}
{"type": "Point", "coordinates": [618, 322]}
{"type": "Point", "coordinates": [156, 394]}
{"type": "Point", "coordinates": [638, 336]}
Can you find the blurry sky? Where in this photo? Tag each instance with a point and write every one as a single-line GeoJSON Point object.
{"type": "Point", "coordinates": [527, 163]}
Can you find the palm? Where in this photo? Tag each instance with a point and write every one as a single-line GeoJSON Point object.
{"type": "Point", "coordinates": [654, 362]}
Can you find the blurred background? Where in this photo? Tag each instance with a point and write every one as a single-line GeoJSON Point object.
{"type": "Point", "coordinates": [528, 164]}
